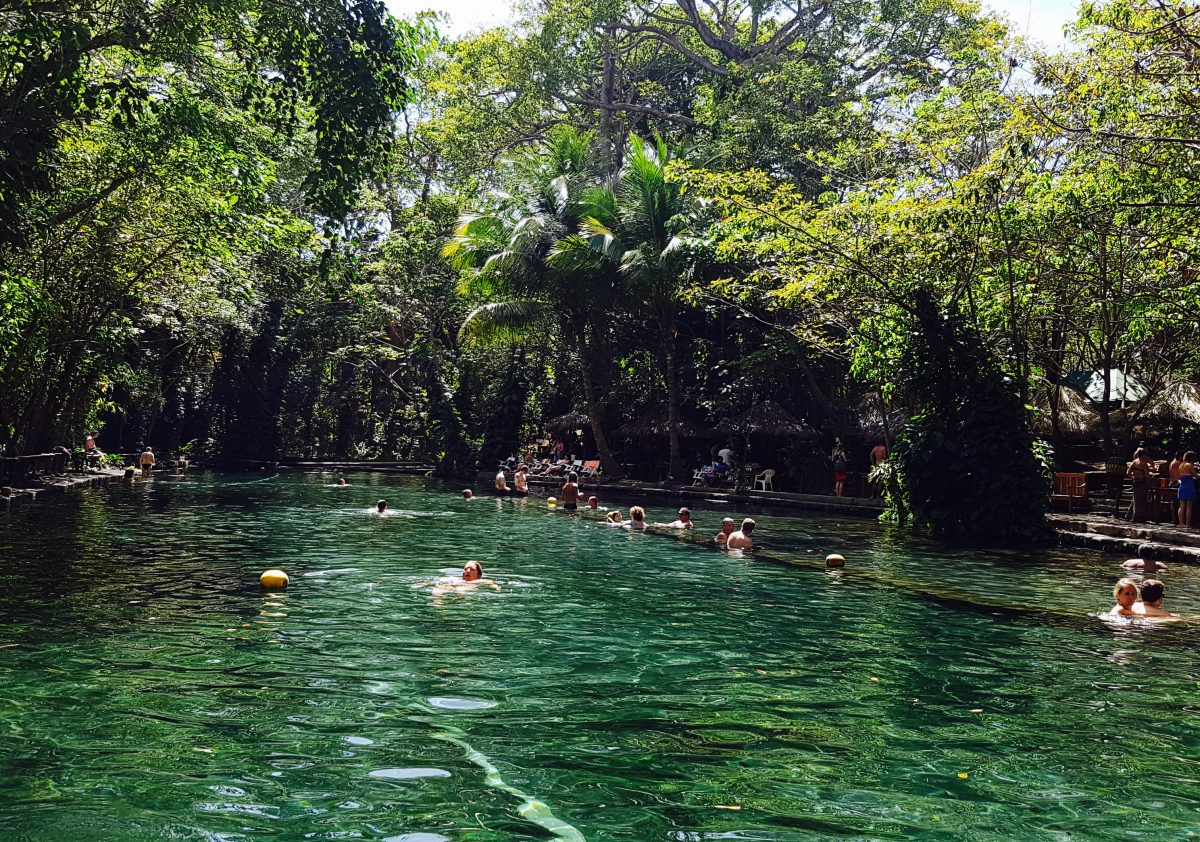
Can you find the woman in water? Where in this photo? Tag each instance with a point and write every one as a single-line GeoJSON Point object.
{"type": "Point", "coordinates": [1187, 488]}
{"type": "Point", "coordinates": [1125, 592]}
{"type": "Point", "coordinates": [614, 518]}
{"type": "Point", "coordinates": [638, 515]}
{"type": "Point", "coordinates": [472, 578]}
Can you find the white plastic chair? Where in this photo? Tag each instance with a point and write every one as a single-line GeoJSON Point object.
{"type": "Point", "coordinates": [697, 478]}
{"type": "Point", "coordinates": [764, 479]}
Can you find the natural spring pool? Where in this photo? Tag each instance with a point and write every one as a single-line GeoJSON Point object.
{"type": "Point", "coordinates": [618, 687]}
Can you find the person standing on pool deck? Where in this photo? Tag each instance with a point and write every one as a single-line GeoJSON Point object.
{"type": "Point", "coordinates": [726, 531]}
{"type": "Point", "coordinates": [1187, 488]}
{"type": "Point", "coordinates": [570, 492]}
{"type": "Point", "coordinates": [741, 539]}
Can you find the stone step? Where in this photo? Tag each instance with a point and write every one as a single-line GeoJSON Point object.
{"type": "Point", "coordinates": [1128, 547]}
{"type": "Point", "coordinates": [1145, 532]}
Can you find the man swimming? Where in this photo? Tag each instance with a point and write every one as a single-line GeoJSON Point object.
{"type": "Point", "coordinates": [1150, 605]}
{"type": "Point", "coordinates": [468, 494]}
{"type": "Point", "coordinates": [381, 507]}
{"type": "Point", "coordinates": [726, 530]}
{"type": "Point", "coordinates": [684, 521]}
{"type": "Point", "coordinates": [741, 539]}
{"type": "Point", "coordinates": [1147, 563]}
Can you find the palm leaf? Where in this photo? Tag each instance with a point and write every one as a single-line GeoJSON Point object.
{"type": "Point", "coordinates": [506, 322]}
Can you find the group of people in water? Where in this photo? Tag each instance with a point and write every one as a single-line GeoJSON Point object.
{"type": "Point", "coordinates": [1142, 600]}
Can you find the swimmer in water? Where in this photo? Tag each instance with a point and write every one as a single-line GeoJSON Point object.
{"type": "Point", "coordinates": [741, 539]}
{"type": "Point", "coordinates": [472, 578]}
{"type": "Point", "coordinates": [1125, 592]}
{"type": "Point", "coordinates": [593, 503]}
{"type": "Point", "coordinates": [570, 492]}
{"type": "Point", "coordinates": [1150, 605]}
{"type": "Point", "coordinates": [381, 507]}
{"type": "Point", "coordinates": [638, 515]}
{"type": "Point", "coordinates": [684, 521]}
{"type": "Point", "coordinates": [341, 481]}
{"type": "Point", "coordinates": [614, 518]}
{"type": "Point", "coordinates": [1147, 563]}
{"type": "Point", "coordinates": [468, 494]}
{"type": "Point", "coordinates": [726, 530]}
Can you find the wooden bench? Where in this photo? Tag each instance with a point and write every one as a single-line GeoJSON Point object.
{"type": "Point", "coordinates": [1071, 491]}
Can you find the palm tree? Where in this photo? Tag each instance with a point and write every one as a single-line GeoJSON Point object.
{"type": "Point", "coordinates": [538, 262]}
{"type": "Point", "coordinates": [648, 233]}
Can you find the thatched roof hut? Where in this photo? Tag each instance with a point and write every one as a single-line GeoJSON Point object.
{"type": "Point", "coordinates": [654, 425]}
{"type": "Point", "coordinates": [765, 419]}
{"type": "Point", "coordinates": [1079, 417]}
{"type": "Point", "coordinates": [573, 420]}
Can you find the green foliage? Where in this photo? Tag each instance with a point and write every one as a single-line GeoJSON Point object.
{"type": "Point", "coordinates": [966, 461]}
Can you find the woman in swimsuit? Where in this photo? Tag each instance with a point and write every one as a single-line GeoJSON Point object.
{"type": "Point", "coordinates": [1187, 488]}
{"type": "Point", "coordinates": [1139, 471]}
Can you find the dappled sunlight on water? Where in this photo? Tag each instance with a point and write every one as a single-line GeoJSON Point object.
{"type": "Point", "coordinates": [617, 686]}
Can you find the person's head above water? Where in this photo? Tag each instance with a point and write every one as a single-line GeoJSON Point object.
{"type": "Point", "coordinates": [1125, 592]}
{"type": "Point", "coordinates": [637, 513]}
{"type": "Point", "coordinates": [747, 526]}
{"type": "Point", "coordinates": [592, 502]}
{"type": "Point", "coordinates": [614, 516]}
{"type": "Point", "coordinates": [341, 481]}
{"type": "Point", "coordinates": [381, 506]}
{"type": "Point", "coordinates": [468, 494]}
{"type": "Point", "coordinates": [728, 525]}
{"type": "Point", "coordinates": [472, 570]}
{"type": "Point", "coordinates": [685, 514]}
{"type": "Point", "coordinates": [1152, 592]}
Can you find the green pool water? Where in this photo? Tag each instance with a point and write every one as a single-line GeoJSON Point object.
{"type": "Point", "coordinates": [618, 687]}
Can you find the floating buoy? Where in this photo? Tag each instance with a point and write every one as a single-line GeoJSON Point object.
{"type": "Point", "coordinates": [273, 579]}
{"type": "Point", "coordinates": [552, 502]}
{"type": "Point", "coordinates": [834, 560]}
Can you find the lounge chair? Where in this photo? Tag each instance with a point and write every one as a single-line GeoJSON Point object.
{"type": "Point", "coordinates": [590, 468]}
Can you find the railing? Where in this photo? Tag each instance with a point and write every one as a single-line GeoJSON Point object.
{"type": "Point", "coordinates": [16, 469]}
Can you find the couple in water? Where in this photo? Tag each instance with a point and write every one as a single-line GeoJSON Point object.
{"type": "Point", "coordinates": [1140, 603]}
{"type": "Point", "coordinates": [740, 539]}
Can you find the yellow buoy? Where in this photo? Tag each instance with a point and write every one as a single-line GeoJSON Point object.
{"type": "Point", "coordinates": [552, 502]}
{"type": "Point", "coordinates": [834, 560]}
{"type": "Point", "coordinates": [273, 579]}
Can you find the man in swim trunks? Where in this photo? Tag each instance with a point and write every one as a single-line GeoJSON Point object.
{"type": "Point", "coordinates": [1151, 603]}
{"type": "Point", "coordinates": [570, 492]}
{"type": "Point", "coordinates": [726, 530]}
{"type": "Point", "coordinates": [521, 481]}
{"type": "Point", "coordinates": [147, 461]}
{"type": "Point", "coordinates": [1147, 563]}
{"type": "Point", "coordinates": [684, 521]}
{"type": "Point", "coordinates": [742, 540]}
{"type": "Point", "coordinates": [501, 481]}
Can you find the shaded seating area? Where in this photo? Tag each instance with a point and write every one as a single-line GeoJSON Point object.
{"type": "Point", "coordinates": [1070, 493]}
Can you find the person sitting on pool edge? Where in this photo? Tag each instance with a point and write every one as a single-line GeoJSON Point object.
{"type": "Point", "coordinates": [1146, 562]}
{"type": "Point", "coordinates": [1125, 592]}
{"type": "Point", "coordinates": [638, 515]}
{"type": "Point", "coordinates": [570, 492]}
{"type": "Point", "coordinates": [1150, 605]}
{"type": "Point", "coordinates": [683, 522]}
{"type": "Point", "coordinates": [501, 481]}
{"type": "Point", "coordinates": [726, 530]}
{"type": "Point", "coordinates": [741, 539]}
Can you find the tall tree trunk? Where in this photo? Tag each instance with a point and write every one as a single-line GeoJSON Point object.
{"type": "Point", "coordinates": [672, 371]}
{"type": "Point", "coordinates": [608, 463]}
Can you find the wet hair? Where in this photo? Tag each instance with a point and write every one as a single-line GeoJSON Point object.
{"type": "Point", "coordinates": [468, 492]}
{"type": "Point", "coordinates": [381, 504]}
{"type": "Point", "coordinates": [728, 520]}
{"type": "Point", "coordinates": [1125, 583]}
{"type": "Point", "coordinates": [686, 511]}
{"type": "Point", "coordinates": [572, 477]}
{"type": "Point", "coordinates": [474, 564]}
{"type": "Point", "coordinates": [614, 516]}
{"type": "Point", "coordinates": [592, 499]}
{"type": "Point", "coordinates": [748, 525]}
{"type": "Point", "coordinates": [637, 513]}
{"type": "Point", "coordinates": [1152, 590]}
{"type": "Point", "coordinates": [1146, 551]}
